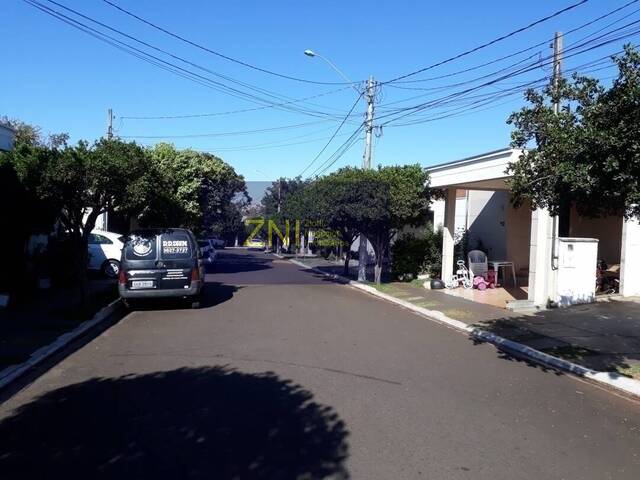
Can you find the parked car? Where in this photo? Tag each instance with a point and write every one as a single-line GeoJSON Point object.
{"type": "Point", "coordinates": [217, 242]}
{"type": "Point", "coordinates": [255, 243]}
{"type": "Point", "coordinates": [207, 250]}
{"type": "Point", "coordinates": [104, 250]}
{"type": "Point", "coordinates": [161, 263]}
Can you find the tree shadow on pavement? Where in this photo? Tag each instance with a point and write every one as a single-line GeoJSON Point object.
{"type": "Point", "coordinates": [239, 264]}
{"type": "Point", "coordinates": [210, 422]}
{"type": "Point", "coordinates": [601, 336]}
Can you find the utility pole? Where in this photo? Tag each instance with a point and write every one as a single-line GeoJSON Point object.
{"type": "Point", "coordinates": [370, 97]}
{"type": "Point", "coordinates": [279, 202]}
{"type": "Point", "coordinates": [370, 94]}
{"type": "Point", "coordinates": [110, 124]}
{"type": "Point", "coordinates": [557, 72]}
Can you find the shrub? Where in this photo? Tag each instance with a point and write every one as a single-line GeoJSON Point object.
{"type": "Point", "coordinates": [418, 254]}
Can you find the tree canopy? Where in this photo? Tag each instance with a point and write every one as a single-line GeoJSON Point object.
{"type": "Point", "coordinates": [588, 155]}
{"type": "Point", "coordinates": [195, 190]}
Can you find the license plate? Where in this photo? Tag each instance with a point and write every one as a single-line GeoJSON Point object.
{"type": "Point", "coordinates": [142, 284]}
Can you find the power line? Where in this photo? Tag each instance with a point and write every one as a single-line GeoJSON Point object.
{"type": "Point", "coordinates": [216, 85]}
{"type": "Point", "coordinates": [334, 134]}
{"type": "Point", "coordinates": [537, 45]}
{"type": "Point", "coordinates": [234, 133]}
{"type": "Point", "coordinates": [420, 107]}
{"type": "Point", "coordinates": [339, 153]}
{"type": "Point", "coordinates": [487, 44]}
{"type": "Point", "coordinates": [218, 54]}
{"type": "Point", "coordinates": [266, 146]}
{"type": "Point", "coordinates": [230, 112]}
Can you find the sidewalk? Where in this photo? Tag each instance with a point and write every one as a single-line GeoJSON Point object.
{"type": "Point", "coordinates": [603, 336]}
{"type": "Point", "coordinates": [29, 326]}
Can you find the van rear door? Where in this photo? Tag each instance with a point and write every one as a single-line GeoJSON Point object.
{"type": "Point", "coordinates": [178, 256]}
{"type": "Point", "coordinates": [140, 254]}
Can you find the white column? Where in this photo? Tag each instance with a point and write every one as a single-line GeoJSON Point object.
{"type": "Point", "coordinates": [448, 233]}
{"type": "Point", "coordinates": [542, 284]}
{"type": "Point", "coordinates": [630, 258]}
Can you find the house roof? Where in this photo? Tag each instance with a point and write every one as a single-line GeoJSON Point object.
{"type": "Point", "coordinates": [486, 171]}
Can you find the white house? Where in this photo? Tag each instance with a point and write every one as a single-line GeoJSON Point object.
{"type": "Point", "coordinates": [528, 238]}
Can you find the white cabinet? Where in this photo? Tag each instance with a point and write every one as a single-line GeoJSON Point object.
{"type": "Point", "coordinates": [577, 263]}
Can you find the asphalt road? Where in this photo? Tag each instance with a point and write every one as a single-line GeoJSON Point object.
{"type": "Point", "coordinates": [285, 375]}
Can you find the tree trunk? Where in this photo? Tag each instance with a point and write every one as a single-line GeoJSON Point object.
{"type": "Point", "coordinates": [345, 271]}
{"type": "Point", "coordinates": [378, 268]}
{"type": "Point", "coordinates": [81, 259]}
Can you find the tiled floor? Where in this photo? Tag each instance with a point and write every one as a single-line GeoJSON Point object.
{"type": "Point", "coordinates": [497, 297]}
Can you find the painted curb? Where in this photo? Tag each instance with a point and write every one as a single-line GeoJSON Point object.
{"type": "Point", "coordinates": [612, 380]}
{"type": "Point", "coordinates": [12, 373]}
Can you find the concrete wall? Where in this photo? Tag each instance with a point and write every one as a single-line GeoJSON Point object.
{"type": "Point", "coordinates": [486, 220]}
{"type": "Point", "coordinates": [630, 262]}
{"type": "Point", "coordinates": [483, 214]}
{"type": "Point", "coordinates": [608, 230]}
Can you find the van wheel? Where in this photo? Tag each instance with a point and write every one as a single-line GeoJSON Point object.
{"type": "Point", "coordinates": [111, 268]}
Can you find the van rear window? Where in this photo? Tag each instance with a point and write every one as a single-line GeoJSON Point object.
{"type": "Point", "coordinates": [175, 245]}
{"type": "Point", "coordinates": [140, 247]}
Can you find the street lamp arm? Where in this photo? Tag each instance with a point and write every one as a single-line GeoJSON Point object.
{"type": "Point", "coordinates": [311, 53]}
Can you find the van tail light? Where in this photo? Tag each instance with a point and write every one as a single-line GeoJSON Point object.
{"type": "Point", "coordinates": [195, 274]}
{"type": "Point", "coordinates": [122, 277]}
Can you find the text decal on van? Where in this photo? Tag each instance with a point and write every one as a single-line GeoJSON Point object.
{"type": "Point", "coordinates": [175, 247]}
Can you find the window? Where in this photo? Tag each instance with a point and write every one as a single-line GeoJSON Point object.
{"type": "Point", "coordinates": [175, 245]}
{"type": "Point", "coordinates": [95, 239]}
{"type": "Point", "coordinates": [140, 247]}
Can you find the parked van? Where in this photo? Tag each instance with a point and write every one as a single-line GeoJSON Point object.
{"type": "Point", "coordinates": [161, 263]}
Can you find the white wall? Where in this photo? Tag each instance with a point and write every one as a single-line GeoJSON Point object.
{"type": "Point", "coordinates": [482, 213]}
{"type": "Point", "coordinates": [630, 261]}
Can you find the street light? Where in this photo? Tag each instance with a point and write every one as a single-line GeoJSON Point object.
{"type": "Point", "coordinates": [369, 96]}
{"type": "Point", "coordinates": [311, 54]}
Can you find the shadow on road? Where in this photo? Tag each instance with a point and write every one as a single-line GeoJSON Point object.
{"type": "Point", "coordinates": [186, 423]}
{"type": "Point", "coordinates": [238, 263]}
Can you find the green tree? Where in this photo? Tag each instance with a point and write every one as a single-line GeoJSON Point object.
{"type": "Point", "coordinates": [81, 182]}
{"type": "Point", "coordinates": [589, 154]}
{"type": "Point", "coordinates": [377, 203]}
{"type": "Point", "coordinates": [195, 190]}
{"type": "Point", "coordinates": [400, 197]}
{"type": "Point", "coordinates": [279, 203]}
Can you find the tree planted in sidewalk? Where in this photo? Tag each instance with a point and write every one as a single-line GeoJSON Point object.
{"type": "Point", "coordinates": [588, 155]}
{"type": "Point", "coordinates": [377, 203]}
{"type": "Point", "coordinates": [394, 197]}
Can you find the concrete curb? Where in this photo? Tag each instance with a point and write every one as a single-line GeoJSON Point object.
{"type": "Point", "coordinates": [613, 380]}
{"type": "Point", "coordinates": [10, 374]}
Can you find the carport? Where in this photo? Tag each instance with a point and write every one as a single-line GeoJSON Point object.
{"type": "Point", "coordinates": [529, 235]}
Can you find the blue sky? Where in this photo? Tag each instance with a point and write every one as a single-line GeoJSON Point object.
{"type": "Point", "coordinates": [64, 80]}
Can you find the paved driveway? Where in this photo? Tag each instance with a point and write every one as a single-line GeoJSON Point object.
{"type": "Point", "coordinates": [286, 375]}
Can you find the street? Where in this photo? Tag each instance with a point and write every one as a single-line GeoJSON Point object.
{"type": "Point", "coordinates": [283, 374]}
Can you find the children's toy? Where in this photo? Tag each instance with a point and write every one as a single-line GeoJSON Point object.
{"type": "Point", "coordinates": [482, 283]}
{"type": "Point", "coordinates": [461, 277]}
